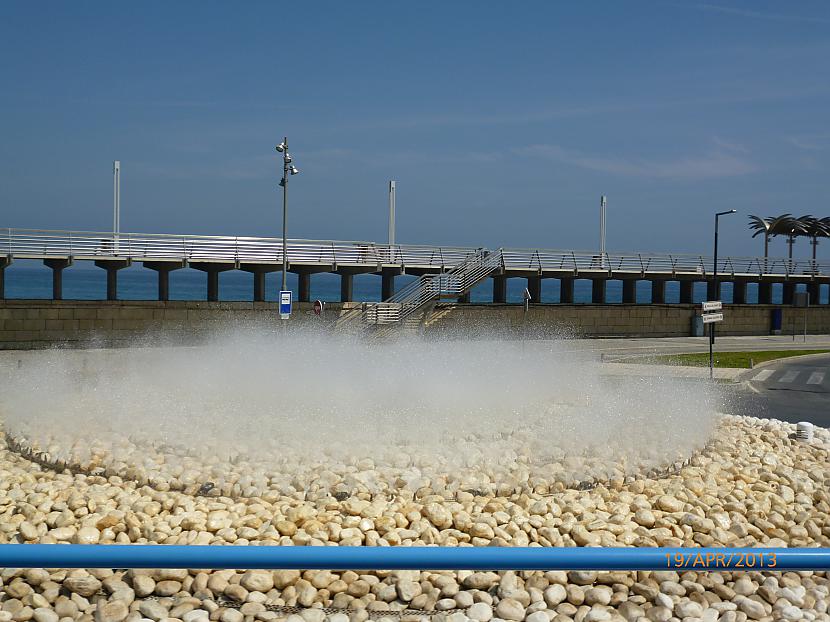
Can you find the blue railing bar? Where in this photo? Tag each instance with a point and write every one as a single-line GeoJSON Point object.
{"type": "Point", "coordinates": [408, 558]}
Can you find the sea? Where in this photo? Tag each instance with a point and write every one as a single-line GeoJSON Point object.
{"type": "Point", "coordinates": [31, 280]}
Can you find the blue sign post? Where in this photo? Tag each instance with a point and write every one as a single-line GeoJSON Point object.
{"type": "Point", "coordinates": [285, 304]}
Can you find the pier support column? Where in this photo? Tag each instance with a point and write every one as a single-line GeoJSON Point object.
{"type": "Point", "coordinates": [814, 289]}
{"type": "Point", "coordinates": [464, 298]}
{"type": "Point", "coordinates": [500, 288]}
{"type": "Point", "coordinates": [687, 289]}
{"type": "Point", "coordinates": [58, 266]}
{"type": "Point", "coordinates": [164, 268]}
{"type": "Point", "coordinates": [712, 289]}
{"type": "Point", "coordinates": [346, 287]}
{"type": "Point", "coordinates": [304, 286]}
{"type": "Point", "coordinates": [534, 286]}
{"type": "Point", "coordinates": [658, 292]}
{"type": "Point", "coordinates": [112, 266]}
{"type": "Point", "coordinates": [4, 263]}
{"type": "Point", "coordinates": [739, 292]}
{"type": "Point", "coordinates": [566, 290]}
{"type": "Point", "coordinates": [387, 283]}
{"type": "Point", "coordinates": [213, 270]}
{"type": "Point", "coordinates": [598, 287]}
{"type": "Point", "coordinates": [259, 270]}
{"type": "Point", "coordinates": [789, 293]}
{"type": "Point", "coordinates": [629, 293]}
{"type": "Point", "coordinates": [764, 293]}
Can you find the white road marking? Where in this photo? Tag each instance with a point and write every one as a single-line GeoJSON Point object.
{"type": "Point", "coordinates": [817, 377]}
{"type": "Point", "coordinates": [763, 375]}
{"type": "Point", "coordinates": [788, 377]}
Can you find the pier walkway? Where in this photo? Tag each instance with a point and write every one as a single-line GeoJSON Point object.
{"type": "Point", "coordinates": [215, 254]}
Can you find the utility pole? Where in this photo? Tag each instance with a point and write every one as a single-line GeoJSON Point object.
{"type": "Point", "coordinates": [391, 212]}
{"type": "Point", "coordinates": [602, 205]}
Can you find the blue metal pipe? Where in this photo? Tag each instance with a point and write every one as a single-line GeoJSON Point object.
{"type": "Point", "coordinates": [407, 558]}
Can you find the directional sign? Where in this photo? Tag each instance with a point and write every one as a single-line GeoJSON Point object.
{"type": "Point", "coordinates": [714, 305]}
{"type": "Point", "coordinates": [708, 318]}
{"type": "Point", "coordinates": [285, 304]}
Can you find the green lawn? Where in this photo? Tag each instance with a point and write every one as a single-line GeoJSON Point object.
{"type": "Point", "coordinates": [729, 359]}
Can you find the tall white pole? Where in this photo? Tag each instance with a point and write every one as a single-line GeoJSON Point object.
{"type": "Point", "coordinates": [391, 213]}
{"type": "Point", "coordinates": [116, 202]}
{"type": "Point", "coordinates": [602, 205]}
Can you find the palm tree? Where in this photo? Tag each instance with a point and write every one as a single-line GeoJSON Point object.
{"type": "Point", "coordinates": [792, 228]}
{"type": "Point", "coordinates": [815, 228]}
{"type": "Point", "coordinates": [772, 225]}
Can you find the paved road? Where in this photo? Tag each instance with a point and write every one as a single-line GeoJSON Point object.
{"type": "Point", "coordinates": [791, 390]}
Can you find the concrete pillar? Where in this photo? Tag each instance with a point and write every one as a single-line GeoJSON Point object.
{"type": "Point", "coordinates": [534, 286]}
{"type": "Point", "coordinates": [764, 293]}
{"type": "Point", "coordinates": [4, 263]}
{"type": "Point", "coordinates": [813, 288]}
{"type": "Point", "coordinates": [259, 271]}
{"type": "Point", "coordinates": [598, 287]}
{"type": "Point", "coordinates": [213, 270]}
{"type": "Point", "coordinates": [739, 292]}
{"type": "Point", "coordinates": [465, 297]}
{"type": "Point", "coordinates": [346, 287]}
{"type": "Point", "coordinates": [163, 268]}
{"type": "Point", "coordinates": [304, 286]}
{"type": "Point", "coordinates": [500, 288]}
{"type": "Point", "coordinates": [58, 266]}
{"type": "Point", "coordinates": [658, 292]}
{"type": "Point", "coordinates": [566, 290]}
{"type": "Point", "coordinates": [629, 293]}
{"type": "Point", "coordinates": [112, 267]}
{"type": "Point", "coordinates": [687, 289]}
{"type": "Point", "coordinates": [713, 289]}
{"type": "Point", "coordinates": [789, 293]}
{"type": "Point", "coordinates": [387, 284]}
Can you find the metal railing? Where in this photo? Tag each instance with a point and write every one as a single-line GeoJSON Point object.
{"type": "Point", "coordinates": [428, 288]}
{"type": "Point", "coordinates": [41, 244]}
{"type": "Point", "coordinates": [655, 263]}
{"type": "Point", "coordinates": [89, 245]}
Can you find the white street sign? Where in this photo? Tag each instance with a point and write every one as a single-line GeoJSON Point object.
{"type": "Point", "coordinates": [708, 318]}
{"type": "Point", "coordinates": [714, 305]}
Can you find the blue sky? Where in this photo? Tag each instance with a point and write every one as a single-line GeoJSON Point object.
{"type": "Point", "coordinates": [502, 123]}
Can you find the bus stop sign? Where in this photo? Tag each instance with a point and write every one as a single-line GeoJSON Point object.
{"type": "Point", "coordinates": [285, 304]}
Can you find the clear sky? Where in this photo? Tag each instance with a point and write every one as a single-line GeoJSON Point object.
{"type": "Point", "coordinates": [503, 123]}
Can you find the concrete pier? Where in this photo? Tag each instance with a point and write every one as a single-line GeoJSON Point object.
{"type": "Point", "coordinates": [566, 290]}
{"type": "Point", "coordinates": [387, 284]}
{"type": "Point", "coordinates": [4, 263]}
{"type": "Point", "coordinates": [687, 289]}
{"type": "Point", "coordinates": [658, 292]}
{"type": "Point", "coordinates": [213, 269]}
{"type": "Point", "coordinates": [499, 288]}
{"type": "Point", "coordinates": [259, 271]}
{"type": "Point", "coordinates": [164, 268]}
{"type": "Point", "coordinates": [534, 286]}
{"type": "Point", "coordinates": [112, 266]}
{"type": "Point", "coordinates": [813, 289]}
{"type": "Point", "coordinates": [739, 287]}
{"type": "Point", "coordinates": [57, 266]}
{"type": "Point", "coordinates": [629, 292]}
{"type": "Point", "coordinates": [598, 291]}
{"type": "Point", "coordinates": [789, 293]}
{"type": "Point", "coordinates": [304, 281]}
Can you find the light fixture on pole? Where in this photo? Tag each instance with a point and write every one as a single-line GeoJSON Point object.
{"type": "Point", "coordinates": [288, 169]}
{"type": "Point", "coordinates": [716, 289]}
{"type": "Point", "coordinates": [116, 203]}
{"type": "Point", "coordinates": [603, 202]}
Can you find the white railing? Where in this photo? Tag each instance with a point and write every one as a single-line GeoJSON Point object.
{"type": "Point", "coordinates": [194, 248]}
{"type": "Point", "coordinates": [43, 244]}
{"type": "Point", "coordinates": [654, 263]}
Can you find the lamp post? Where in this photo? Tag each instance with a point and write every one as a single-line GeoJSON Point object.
{"type": "Point", "coordinates": [287, 169]}
{"type": "Point", "coordinates": [717, 293]}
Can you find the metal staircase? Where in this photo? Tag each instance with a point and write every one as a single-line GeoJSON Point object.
{"type": "Point", "coordinates": [404, 310]}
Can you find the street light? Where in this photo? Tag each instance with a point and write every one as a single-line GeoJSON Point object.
{"type": "Point", "coordinates": [717, 291]}
{"type": "Point", "coordinates": [287, 169]}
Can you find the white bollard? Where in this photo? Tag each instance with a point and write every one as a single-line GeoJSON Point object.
{"type": "Point", "coordinates": [804, 431]}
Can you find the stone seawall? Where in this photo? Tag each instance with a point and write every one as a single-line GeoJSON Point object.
{"type": "Point", "coordinates": [26, 324]}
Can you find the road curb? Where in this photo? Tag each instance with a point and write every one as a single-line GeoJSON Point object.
{"type": "Point", "coordinates": [780, 360]}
